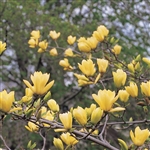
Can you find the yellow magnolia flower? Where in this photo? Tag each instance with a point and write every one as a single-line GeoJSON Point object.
{"type": "Point", "coordinates": [66, 119]}
{"type": "Point", "coordinates": [83, 45]}
{"type": "Point", "coordinates": [40, 85]}
{"type": "Point", "coordinates": [96, 115]}
{"type": "Point", "coordinates": [16, 109]}
{"type": "Point", "coordinates": [132, 89]}
{"type": "Point", "coordinates": [71, 39]}
{"type": "Point", "coordinates": [123, 95]}
{"type": "Point", "coordinates": [54, 35]}
{"type": "Point", "coordinates": [117, 49]}
{"type": "Point", "coordinates": [102, 29]}
{"type": "Point", "coordinates": [6, 100]}
{"type": "Point", "coordinates": [48, 116]}
{"type": "Point", "coordinates": [146, 60]}
{"type": "Point", "coordinates": [32, 43]}
{"type": "Point", "coordinates": [53, 52]}
{"type": "Point", "coordinates": [43, 111]}
{"type": "Point", "coordinates": [102, 65]}
{"type": "Point", "coordinates": [68, 52]}
{"type": "Point", "coordinates": [35, 34]}
{"type": "Point", "coordinates": [80, 115]}
{"type": "Point", "coordinates": [81, 77]}
{"type": "Point", "coordinates": [68, 139]}
{"type": "Point", "coordinates": [131, 67]}
{"type": "Point", "coordinates": [28, 95]}
{"type": "Point", "coordinates": [119, 78]}
{"type": "Point", "coordinates": [87, 67]}
{"type": "Point", "coordinates": [137, 66]}
{"type": "Point", "coordinates": [145, 88]}
{"type": "Point", "coordinates": [105, 99]}
{"type": "Point", "coordinates": [53, 105]}
{"type": "Point", "coordinates": [139, 136]}
{"type": "Point", "coordinates": [43, 46]}
{"type": "Point", "coordinates": [101, 33]}
{"type": "Point", "coordinates": [98, 35]}
{"type": "Point", "coordinates": [32, 127]}
{"type": "Point", "coordinates": [58, 144]}
{"type": "Point", "coordinates": [65, 64]}
{"type": "Point", "coordinates": [2, 47]}
{"type": "Point", "coordinates": [92, 42]}
{"type": "Point", "coordinates": [82, 80]}
{"type": "Point", "coordinates": [90, 110]}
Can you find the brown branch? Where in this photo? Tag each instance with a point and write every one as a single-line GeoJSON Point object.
{"type": "Point", "coordinates": [44, 140]}
{"type": "Point", "coordinates": [76, 132]}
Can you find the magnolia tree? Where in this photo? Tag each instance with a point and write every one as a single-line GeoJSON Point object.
{"type": "Point", "coordinates": [123, 87]}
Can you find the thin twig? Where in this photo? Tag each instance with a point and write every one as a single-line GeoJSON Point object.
{"type": "Point", "coordinates": [104, 127]}
{"type": "Point", "coordinates": [44, 140]}
{"type": "Point", "coordinates": [4, 142]}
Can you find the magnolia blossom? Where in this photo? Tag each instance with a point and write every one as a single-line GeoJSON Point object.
{"type": "Point", "coordinates": [119, 77]}
{"type": "Point", "coordinates": [82, 80]}
{"type": "Point", "coordinates": [58, 143]}
{"type": "Point", "coordinates": [32, 43]}
{"type": "Point", "coordinates": [54, 35]}
{"type": "Point", "coordinates": [83, 45]}
{"type": "Point", "coordinates": [132, 89]}
{"type": "Point", "coordinates": [102, 65]}
{"type": "Point", "coordinates": [92, 41]}
{"type": "Point", "coordinates": [43, 113]}
{"type": "Point", "coordinates": [96, 115]}
{"type": "Point", "coordinates": [100, 33]}
{"type": "Point", "coordinates": [32, 127]}
{"type": "Point", "coordinates": [145, 88]}
{"type": "Point", "coordinates": [35, 34]}
{"type": "Point", "coordinates": [90, 110]}
{"type": "Point", "coordinates": [65, 64]}
{"type": "Point", "coordinates": [146, 60]}
{"type": "Point", "coordinates": [53, 105]}
{"type": "Point", "coordinates": [87, 67]}
{"type": "Point", "coordinates": [28, 95]}
{"type": "Point", "coordinates": [68, 139]}
{"type": "Point", "coordinates": [139, 136]}
{"type": "Point", "coordinates": [68, 52]}
{"type": "Point", "coordinates": [53, 52]}
{"type": "Point", "coordinates": [66, 119]}
{"type": "Point", "coordinates": [80, 115]}
{"type": "Point", "coordinates": [105, 99]}
{"type": "Point", "coordinates": [6, 100]}
{"type": "Point", "coordinates": [71, 39]}
{"type": "Point", "coordinates": [43, 46]}
{"type": "Point", "coordinates": [102, 29]}
{"type": "Point", "coordinates": [39, 81]}
{"type": "Point", "coordinates": [117, 49]}
{"type": "Point", "coordinates": [131, 67]}
{"type": "Point", "coordinates": [123, 95]}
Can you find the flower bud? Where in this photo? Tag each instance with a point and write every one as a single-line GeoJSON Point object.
{"type": "Point", "coordinates": [53, 105]}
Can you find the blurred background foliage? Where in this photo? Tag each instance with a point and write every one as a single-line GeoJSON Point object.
{"type": "Point", "coordinates": [129, 21]}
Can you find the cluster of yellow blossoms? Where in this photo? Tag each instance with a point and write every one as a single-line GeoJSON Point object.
{"type": "Point", "coordinates": [37, 99]}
